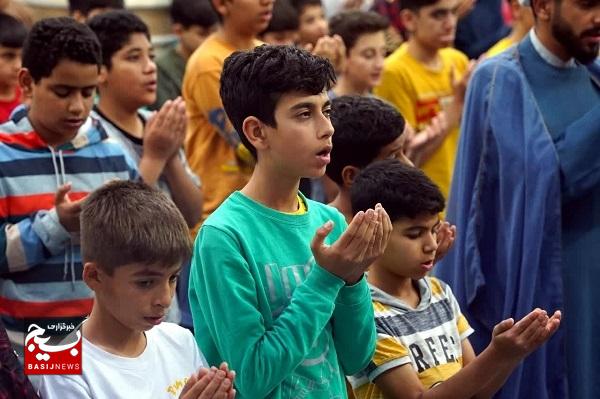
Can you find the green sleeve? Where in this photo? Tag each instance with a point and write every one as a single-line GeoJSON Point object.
{"type": "Point", "coordinates": [263, 357]}
{"type": "Point", "coordinates": [354, 331]}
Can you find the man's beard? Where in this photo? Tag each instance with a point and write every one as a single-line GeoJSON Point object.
{"type": "Point", "coordinates": [573, 44]}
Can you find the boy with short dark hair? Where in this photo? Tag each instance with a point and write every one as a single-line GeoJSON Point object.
{"type": "Point", "coordinates": [134, 241]}
{"type": "Point", "coordinates": [366, 129]}
{"type": "Point", "coordinates": [212, 146]}
{"type": "Point", "coordinates": [363, 34]}
{"type": "Point", "coordinates": [52, 156]}
{"type": "Point", "coordinates": [302, 316]}
{"type": "Point", "coordinates": [192, 22]}
{"type": "Point", "coordinates": [283, 28]}
{"type": "Point", "coordinates": [12, 37]}
{"type": "Point", "coordinates": [313, 24]}
{"type": "Point", "coordinates": [425, 78]}
{"type": "Point", "coordinates": [423, 348]}
{"type": "Point", "coordinates": [127, 83]}
{"type": "Point", "coordinates": [83, 10]}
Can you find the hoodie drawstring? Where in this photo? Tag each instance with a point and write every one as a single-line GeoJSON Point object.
{"type": "Point", "coordinates": [60, 180]}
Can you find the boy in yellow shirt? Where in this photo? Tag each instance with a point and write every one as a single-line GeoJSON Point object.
{"type": "Point", "coordinates": [212, 145]}
{"type": "Point", "coordinates": [426, 80]}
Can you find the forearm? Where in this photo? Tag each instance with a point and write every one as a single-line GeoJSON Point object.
{"type": "Point", "coordinates": [354, 330]}
{"type": "Point", "coordinates": [186, 195]}
{"type": "Point", "coordinates": [502, 372]}
{"type": "Point", "coordinates": [150, 169]}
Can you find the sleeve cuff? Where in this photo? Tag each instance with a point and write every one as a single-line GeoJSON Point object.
{"type": "Point", "coordinates": [324, 282]}
{"type": "Point", "coordinates": [392, 364]}
{"type": "Point", "coordinates": [47, 226]}
{"type": "Point", "coordinates": [351, 295]}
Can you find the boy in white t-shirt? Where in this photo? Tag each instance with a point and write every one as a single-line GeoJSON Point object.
{"type": "Point", "coordinates": [134, 241]}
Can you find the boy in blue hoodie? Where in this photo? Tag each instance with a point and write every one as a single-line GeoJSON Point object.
{"type": "Point", "coordinates": [51, 155]}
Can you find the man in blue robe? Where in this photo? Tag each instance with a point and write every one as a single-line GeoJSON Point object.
{"type": "Point", "coordinates": [526, 198]}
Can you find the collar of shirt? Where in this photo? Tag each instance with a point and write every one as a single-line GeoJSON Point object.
{"type": "Point", "coordinates": [547, 55]}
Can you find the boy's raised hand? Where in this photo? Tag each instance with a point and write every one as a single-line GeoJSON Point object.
{"type": "Point", "coordinates": [67, 211]}
{"type": "Point", "coordinates": [358, 247]}
{"type": "Point", "coordinates": [210, 383]}
{"type": "Point", "coordinates": [165, 131]}
{"type": "Point", "coordinates": [514, 341]}
{"type": "Point", "coordinates": [445, 239]}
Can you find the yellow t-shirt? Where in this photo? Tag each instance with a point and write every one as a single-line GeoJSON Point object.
{"type": "Point", "coordinates": [499, 47]}
{"type": "Point", "coordinates": [420, 93]}
{"type": "Point", "coordinates": [211, 141]}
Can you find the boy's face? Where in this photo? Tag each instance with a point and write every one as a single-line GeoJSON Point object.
{"type": "Point", "coordinates": [313, 25]}
{"type": "Point", "coordinates": [396, 149]}
{"type": "Point", "coordinates": [60, 103]}
{"type": "Point", "coordinates": [433, 26]}
{"type": "Point", "coordinates": [247, 16]}
{"type": "Point", "coordinates": [282, 38]}
{"type": "Point", "coordinates": [192, 36]}
{"type": "Point", "coordinates": [364, 63]}
{"type": "Point", "coordinates": [10, 64]}
{"type": "Point", "coordinates": [300, 145]}
{"type": "Point", "coordinates": [136, 296]}
{"type": "Point", "coordinates": [412, 246]}
{"type": "Point", "coordinates": [132, 76]}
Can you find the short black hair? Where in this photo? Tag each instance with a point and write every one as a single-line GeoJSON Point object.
{"type": "Point", "coordinates": [252, 82]}
{"type": "Point", "coordinates": [350, 25]}
{"type": "Point", "coordinates": [362, 125]}
{"type": "Point", "coordinates": [85, 6]}
{"type": "Point", "coordinates": [12, 31]}
{"type": "Point", "coordinates": [193, 12]}
{"type": "Point", "coordinates": [114, 29]}
{"type": "Point", "coordinates": [299, 5]}
{"type": "Point", "coordinates": [285, 17]}
{"type": "Point", "coordinates": [404, 191]}
{"type": "Point", "coordinates": [416, 5]}
{"type": "Point", "coordinates": [54, 39]}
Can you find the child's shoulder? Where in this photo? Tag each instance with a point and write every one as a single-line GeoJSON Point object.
{"type": "Point", "coordinates": [437, 286]}
{"type": "Point", "coordinates": [453, 55]}
{"type": "Point", "coordinates": [172, 336]}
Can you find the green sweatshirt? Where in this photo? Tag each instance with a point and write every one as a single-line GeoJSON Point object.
{"type": "Point", "coordinates": [289, 328]}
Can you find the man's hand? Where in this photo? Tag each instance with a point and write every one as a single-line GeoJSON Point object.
{"type": "Point", "coordinates": [357, 248]}
{"type": "Point", "coordinates": [165, 131]}
{"type": "Point", "coordinates": [68, 211]}
{"type": "Point", "coordinates": [514, 341]}
{"type": "Point", "coordinates": [210, 384]}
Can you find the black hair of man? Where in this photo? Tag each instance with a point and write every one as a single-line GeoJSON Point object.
{"type": "Point", "coordinates": [52, 40]}
{"type": "Point", "coordinates": [404, 191]}
{"type": "Point", "coordinates": [363, 125]}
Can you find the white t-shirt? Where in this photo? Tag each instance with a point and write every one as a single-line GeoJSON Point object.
{"type": "Point", "coordinates": [161, 371]}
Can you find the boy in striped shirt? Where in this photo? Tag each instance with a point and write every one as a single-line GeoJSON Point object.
{"type": "Point", "coordinates": [423, 350]}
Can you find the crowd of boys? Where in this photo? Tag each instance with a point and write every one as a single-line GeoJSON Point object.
{"type": "Point", "coordinates": [231, 218]}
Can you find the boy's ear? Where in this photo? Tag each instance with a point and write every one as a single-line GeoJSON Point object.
{"type": "Point", "coordinates": [103, 77]}
{"type": "Point", "coordinates": [408, 19]}
{"type": "Point", "coordinates": [254, 132]}
{"type": "Point", "coordinates": [92, 275]}
{"type": "Point", "coordinates": [26, 82]}
{"type": "Point", "coordinates": [349, 173]}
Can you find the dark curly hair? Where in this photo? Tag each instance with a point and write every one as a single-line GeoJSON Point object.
{"type": "Point", "coordinates": [350, 25]}
{"type": "Point", "coordinates": [404, 191]}
{"type": "Point", "coordinates": [362, 127]}
{"type": "Point", "coordinates": [54, 39]}
{"type": "Point", "coordinates": [85, 6]}
{"type": "Point", "coordinates": [253, 81]}
{"type": "Point", "coordinates": [114, 29]}
{"type": "Point", "coordinates": [193, 12]}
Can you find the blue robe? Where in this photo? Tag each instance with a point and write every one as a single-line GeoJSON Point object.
{"type": "Point", "coordinates": [513, 183]}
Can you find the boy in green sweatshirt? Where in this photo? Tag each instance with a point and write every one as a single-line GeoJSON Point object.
{"type": "Point", "coordinates": [291, 316]}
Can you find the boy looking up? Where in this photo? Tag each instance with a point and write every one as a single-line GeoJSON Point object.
{"type": "Point", "coordinates": [283, 28]}
{"type": "Point", "coordinates": [425, 78]}
{"type": "Point", "coordinates": [312, 22]}
{"type": "Point", "coordinates": [423, 350]}
{"type": "Point", "coordinates": [12, 37]}
{"type": "Point", "coordinates": [213, 148]}
{"type": "Point", "coordinates": [134, 241]}
{"type": "Point", "coordinates": [192, 22]}
{"type": "Point", "coordinates": [363, 34]}
{"type": "Point", "coordinates": [301, 319]}
{"type": "Point", "coordinates": [84, 10]}
{"type": "Point", "coordinates": [51, 156]}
